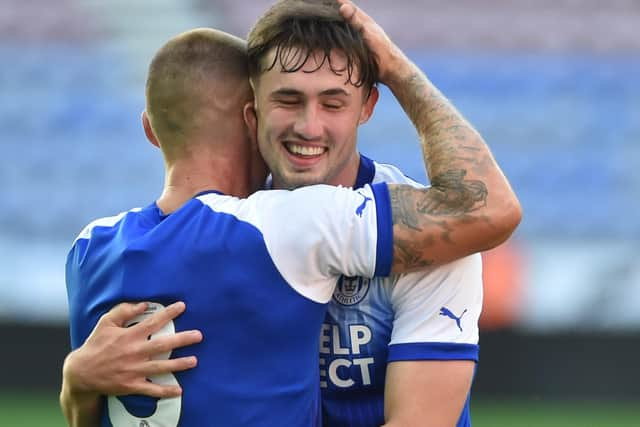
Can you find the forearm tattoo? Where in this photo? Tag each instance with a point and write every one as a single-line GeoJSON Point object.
{"type": "Point", "coordinates": [457, 162]}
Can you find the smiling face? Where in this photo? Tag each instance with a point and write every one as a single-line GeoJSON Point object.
{"type": "Point", "coordinates": [307, 121]}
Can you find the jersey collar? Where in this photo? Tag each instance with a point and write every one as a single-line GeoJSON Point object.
{"type": "Point", "coordinates": [202, 193]}
{"type": "Point", "coordinates": [155, 213]}
{"type": "Point", "coordinates": [366, 172]}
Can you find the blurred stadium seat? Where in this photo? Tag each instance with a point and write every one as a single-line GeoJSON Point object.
{"type": "Point", "coordinates": [560, 125]}
{"type": "Point", "coordinates": [559, 107]}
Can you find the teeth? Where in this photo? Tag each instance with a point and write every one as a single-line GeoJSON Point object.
{"type": "Point", "coordinates": [305, 150]}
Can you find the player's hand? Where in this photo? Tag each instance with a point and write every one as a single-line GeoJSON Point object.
{"type": "Point", "coordinates": [116, 360]}
{"type": "Point", "coordinates": [391, 60]}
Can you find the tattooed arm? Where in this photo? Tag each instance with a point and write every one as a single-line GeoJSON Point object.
{"type": "Point", "coordinates": [470, 206]}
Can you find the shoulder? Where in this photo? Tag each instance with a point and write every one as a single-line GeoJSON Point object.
{"type": "Point", "coordinates": [105, 222]}
{"type": "Point", "coordinates": [222, 203]}
{"type": "Point", "coordinates": [440, 305]}
{"type": "Point", "coordinates": [471, 263]}
{"type": "Point", "coordinates": [460, 277]}
{"type": "Point", "coordinates": [385, 172]}
{"type": "Point", "coordinates": [262, 206]}
{"type": "Point", "coordinates": [226, 203]}
{"type": "Point", "coordinates": [274, 212]}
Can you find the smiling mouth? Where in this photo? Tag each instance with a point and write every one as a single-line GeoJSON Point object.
{"type": "Point", "coordinates": [304, 150]}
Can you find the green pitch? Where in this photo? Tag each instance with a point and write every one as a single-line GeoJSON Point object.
{"type": "Point", "coordinates": [30, 410]}
{"type": "Point", "coordinates": [539, 413]}
{"type": "Point", "coordinates": [41, 410]}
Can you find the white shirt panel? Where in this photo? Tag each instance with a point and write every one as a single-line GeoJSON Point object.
{"type": "Point", "coordinates": [442, 305]}
{"type": "Point", "coordinates": [418, 298]}
{"type": "Point", "coordinates": [109, 221]}
{"type": "Point", "coordinates": [313, 234]}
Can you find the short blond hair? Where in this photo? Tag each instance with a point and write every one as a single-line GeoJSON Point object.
{"type": "Point", "coordinates": [181, 76]}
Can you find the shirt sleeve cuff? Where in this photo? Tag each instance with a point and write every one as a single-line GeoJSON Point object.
{"type": "Point", "coordinates": [433, 351]}
{"type": "Point", "coordinates": [384, 249]}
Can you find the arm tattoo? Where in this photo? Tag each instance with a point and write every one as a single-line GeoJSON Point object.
{"type": "Point", "coordinates": [405, 254]}
{"type": "Point", "coordinates": [457, 163]}
{"type": "Point", "coordinates": [452, 195]}
{"type": "Point", "coordinates": [451, 148]}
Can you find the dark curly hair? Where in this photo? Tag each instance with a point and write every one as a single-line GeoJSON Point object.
{"type": "Point", "coordinates": [297, 29]}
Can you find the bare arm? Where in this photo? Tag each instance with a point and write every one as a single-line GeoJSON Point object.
{"type": "Point", "coordinates": [426, 393]}
{"type": "Point", "coordinates": [80, 408]}
{"type": "Point", "coordinates": [470, 206]}
{"type": "Point", "coordinates": [116, 360]}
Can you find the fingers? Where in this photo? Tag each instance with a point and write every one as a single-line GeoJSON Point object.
{"type": "Point", "coordinates": [159, 367]}
{"type": "Point", "coordinates": [390, 59]}
{"type": "Point", "coordinates": [157, 320]}
{"type": "Point", "coordinates": [156, 390]}
{"type": "Point", "coordinates": [168, 343]}
{"type": "Point", "coordinates": [124, 312]}
{"type": "Point", "coordinates": [347, 9]}
{"type": "Point", "coordinates": [353, 14]}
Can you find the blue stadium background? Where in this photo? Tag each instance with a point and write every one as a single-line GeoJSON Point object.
{"type": "Point", "coordinates": [554, 87]}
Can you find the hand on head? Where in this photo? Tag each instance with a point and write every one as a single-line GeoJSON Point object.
{"type": "Point", "coordinates": [387, 53]}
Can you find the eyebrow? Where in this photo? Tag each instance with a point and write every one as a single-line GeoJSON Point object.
{"type": "Point", "coordinates": [285, 92]}
{"type": "Point", "coordinates": [294, 92]}
{"type": "Point", "coordinates": [333, 92]}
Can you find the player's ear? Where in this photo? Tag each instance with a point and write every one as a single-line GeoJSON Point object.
{"type": "Point", "coordinates": [148, 131]}
{"type": "Point", "coordinates": [251, 119]}
{"type": "Point", "coordinates": [369, 105]}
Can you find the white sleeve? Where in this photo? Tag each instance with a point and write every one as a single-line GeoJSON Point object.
{"type": "Point", "coordinates": [437, 312]}
{"type": "Point", "coordinates": [315, 234]}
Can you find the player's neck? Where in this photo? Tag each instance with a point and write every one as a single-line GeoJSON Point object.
{"type": "Point", "coordinates": [348, 176]}
{"type": "Point", "coordinates": [186, 180]}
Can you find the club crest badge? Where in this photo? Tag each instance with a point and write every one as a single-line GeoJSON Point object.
{"type": "Point", "coordinates": [351, 290]}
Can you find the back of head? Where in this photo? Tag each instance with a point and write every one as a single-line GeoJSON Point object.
{"type": "Point", "coordinates": [298, 28]}
{"type": "Point", "coordinates": [196, 87]}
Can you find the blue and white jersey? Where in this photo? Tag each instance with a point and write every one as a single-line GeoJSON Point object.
{"type": "Point", "coordinates": [428, 315]}
{"type": "Point", "coordinates": [256, 275]}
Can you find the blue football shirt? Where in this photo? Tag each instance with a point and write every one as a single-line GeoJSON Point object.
{"type": "Point", "coordinates": [427, 315]}
{"type": "Point", "coordinates": [256, 275]}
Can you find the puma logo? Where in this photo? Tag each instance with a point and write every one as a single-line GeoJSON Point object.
{"type": "Point", "coordinates": [361, 208]}
{"type": "Point", "coordinates": [444, 311]}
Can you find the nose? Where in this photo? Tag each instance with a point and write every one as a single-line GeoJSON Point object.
{"type": "Point", "coordinates": [308, 124]}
